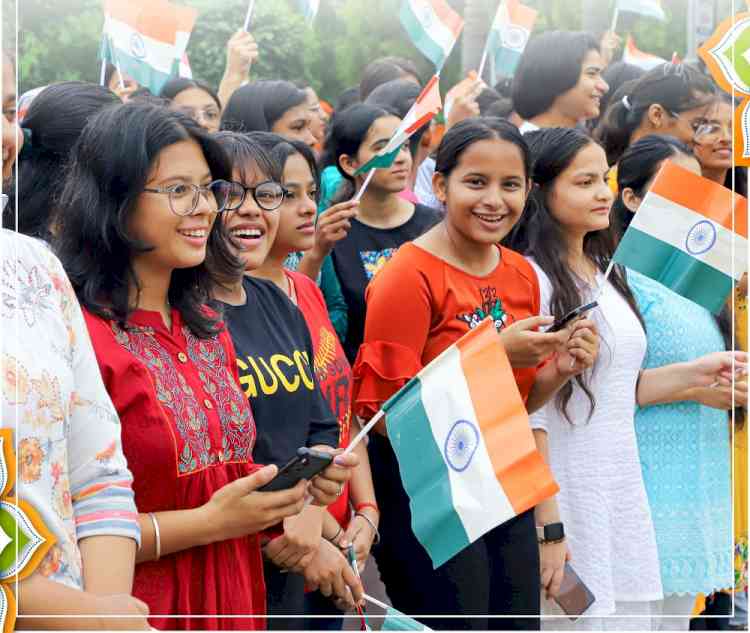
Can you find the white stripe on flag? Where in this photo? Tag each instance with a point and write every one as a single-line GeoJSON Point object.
{"type": "Point", "coordinates": [433, 26]}
{"type": "Point", "coordinates": [478, 498]}
{"type": "Point", "coordinates": [672, 223]}
{"type": "Point", "coordinates": [159, 55]}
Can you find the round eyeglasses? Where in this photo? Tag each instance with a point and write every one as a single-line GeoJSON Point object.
{"type": "Point", "coordinates": [184, 198]}
{"type": "Point", "coordinates": [268, 195]}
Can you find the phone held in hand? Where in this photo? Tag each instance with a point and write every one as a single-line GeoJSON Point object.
{"type": "Point", "coordinates": [572, 316]}
{"type": "Point", "coordinates": [305, 465]}
{"type": "Point", "coordinates": [574, 597]}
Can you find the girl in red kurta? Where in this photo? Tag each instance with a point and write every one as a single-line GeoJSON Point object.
{"type": "Point", "coordinates": [168, 363]}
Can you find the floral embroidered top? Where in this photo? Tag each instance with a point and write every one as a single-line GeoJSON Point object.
{"type": "Point", "coordinates": [187, 431]}
{"type": "Point", "coordinates": [71, 467]}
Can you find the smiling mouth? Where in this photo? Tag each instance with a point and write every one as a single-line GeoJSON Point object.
{"type": "Point", "coordinates": [247, 234]}
{"type": "Point", "coordinates": [199, 233]}
{"type": "Point", "coordinates": [493, 219]}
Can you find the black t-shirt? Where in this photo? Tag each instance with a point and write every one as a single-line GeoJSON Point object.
{"type": "Point", "coordinates": [274, 358]}
{"type": "Point", "coordinates": [361, 254]}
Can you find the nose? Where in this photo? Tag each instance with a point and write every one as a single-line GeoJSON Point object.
{"type": "Point", "coordinates": [604, 193]}
{"type": "Point", "coordinates": [200, 119]}
{"type": "Point", "coordinates": [308, 138]}
{"type": "Point", "coordinates": [493, 197]}
{"type": "Point", "coordinates": [602, 86]}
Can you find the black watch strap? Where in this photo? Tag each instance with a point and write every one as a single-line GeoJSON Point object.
{"type": "Point", "coordinates": [551, 533]}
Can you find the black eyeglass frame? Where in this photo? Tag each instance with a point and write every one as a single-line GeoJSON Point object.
{"type": "Point", "coordinates": [200, 190]}
{"type": "Point", "coordinates": [253, 192]}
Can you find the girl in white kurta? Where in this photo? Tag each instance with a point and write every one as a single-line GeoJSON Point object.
{"type": "Point", "coordinates": [587, 430]}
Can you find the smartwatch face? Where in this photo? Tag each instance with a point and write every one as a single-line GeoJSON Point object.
{"type": "Point", "coordinates": [554, 532]}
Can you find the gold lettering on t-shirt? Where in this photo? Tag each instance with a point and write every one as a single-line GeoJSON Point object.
{"type": "Point", "coordinates": [303, 364]}
{"type": "Point", "coordinates": [280, 358]}
{"type": "Point", "coordinates": [246, 380]}
{"type": "Point", "coordinates": [267, 389]}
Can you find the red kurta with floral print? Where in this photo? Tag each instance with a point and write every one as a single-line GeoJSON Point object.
{"type": "Point", "coordinates": [187, 430]}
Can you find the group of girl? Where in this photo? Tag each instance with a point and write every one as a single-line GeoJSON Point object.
{"type": "Point", "coordinates": [215, 355]}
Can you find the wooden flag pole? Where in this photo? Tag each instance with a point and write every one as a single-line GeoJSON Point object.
{"type": "Point", "coordinates": [613, 28]}
{"type": "Point", "coordinates": [250, 7]}
{"type": "Point", "coordinates": [365, 430]}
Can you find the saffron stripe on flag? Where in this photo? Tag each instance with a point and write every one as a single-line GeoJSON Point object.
{"type": "Point", "coordinates": [675, 269]}
{"type": "Point", "coordinates": [156, 53]}
{"type": "Point", "coordinates": [131, 12]}
{"type": "Point", "coordinates": [424, 475]}
{"type": "Point", "coordinates": [504, 423]}
{"type": "Point", "coordinates": [700, 195]}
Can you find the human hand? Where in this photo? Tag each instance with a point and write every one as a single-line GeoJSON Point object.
{"type": "Point", "coordinates": [242, 51]}
{"type": "Point", "coordinates": [527, 347]}
{"type": "Point", "coordinates": [329, 484]}
{"type": "Point", "coordinates": [461, 100]}
{"type": "Point", "coordinates": [716, 370]}
{"type": "Point", "coordinates": [237, 509]}
{"type": "Point", "coordinates": [552, 559]}
{"type": "Point", "coordinates": [333, 225]}
{"type": "Point", "coordinates": [721, 397]}
{"type": "Point", "coordinates": [330, 572]}
{"type": "Point", "coordinates": [296, 547]}
{"type": "Point", "coordinates": [361, 535]}
{"type": "Point", "coordinates": [581, 349]}
{"type": "Point", "coordinates": [109, 607]}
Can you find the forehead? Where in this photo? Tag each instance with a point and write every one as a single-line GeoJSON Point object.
{"type": "Point", "coordinates": [184, 158]}
{"type": "Point", "coordinates": [590, 158]}
{"type": "Point", "coordinates": [296, 168]}
{"type": "Point", "coordinates": [194, 97]}
{"type": "Point", "coordinates": [383, 127]}
{"type": "Point", "coordinates": [300, 111]}
{"type": "Point", "coordinates": [592, 58]}
{"type": "Point", "coordinates": [720, 111]}
{"type": "Point", "coordinates": [490, 156]}
{"type": "Point", "coordinates": [249, 173]}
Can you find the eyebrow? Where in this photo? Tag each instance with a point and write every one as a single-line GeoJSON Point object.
{"type": "Point", "coordinates": [205, 176]}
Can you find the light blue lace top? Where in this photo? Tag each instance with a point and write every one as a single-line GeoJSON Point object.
{"type": "Point", "coordinates": [685, 450]}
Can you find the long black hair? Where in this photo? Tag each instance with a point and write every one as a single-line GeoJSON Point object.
{"type": "Point", "coordinates": [540, 235]}
{"type": "Point", "coordinates": [51, 128]}
{"type": "Point", "coordinates": [636, 169]}
{"type": "Point", "coordinates": [110, 166]}
{"type": "Point", "coordinates": [257, 106]}
{"type": "Point", "coordinates": [676, 87]}
{"type": "Point", "coordinates": [399, 95]}
{"type": "Point", "coordinates": [549, 66]}
{"type": "Point", "coordinates": [383, 70]}
{"type": "Point", "coordinates": [346, 133]}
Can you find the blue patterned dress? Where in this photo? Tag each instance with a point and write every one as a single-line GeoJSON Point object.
{"type": "Point", "coordinates": [685, 450]}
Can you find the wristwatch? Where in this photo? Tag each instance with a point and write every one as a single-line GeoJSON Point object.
{"type": "Point", "coordinates": [551, 533]}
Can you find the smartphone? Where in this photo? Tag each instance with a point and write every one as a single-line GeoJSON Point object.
{"type": "Point", "coordinates": [572, 316]}
{"type": "Point", "coordinates": [574, 597]}
{"type": "Point", "coordinates": [305, 465]}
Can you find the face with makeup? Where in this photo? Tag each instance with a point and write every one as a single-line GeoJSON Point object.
{"type": "Point", "coordinates": [318, 118]}
{"type": "Point", "coordinates": [199, 106]}
{"type": "Point", "coordinates": [583, 100]}
{"type": "Point", "coordinates": [297, 212]}
{"type": "Point", "coordinates": [296, 124]}
{"type": "Point", "coordinates": [713, 139]}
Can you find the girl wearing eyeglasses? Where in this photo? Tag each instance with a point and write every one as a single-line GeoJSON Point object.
{"type": "Point", "coordinates": [137, 223]}
{"type": "Point", "coordinates": [276, 361]}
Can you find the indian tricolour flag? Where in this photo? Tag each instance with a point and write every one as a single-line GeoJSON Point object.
{"type": "Point", "coordinates": [146, 39]}
{"type": "Point", "coordinates": [426, 106]}
{"type": "Point", "coordinates": [433, 27]}
{"type": "Point", "coordinates": [689, 234]}
{"type": "Point", "coordinates": [509, 34]}
{"type": "Point", "coordinates": [465, 450]}
{"type": "Point", "coordinates": [648, 8]}
{"type": "Point", "coordinates": [632, 55]}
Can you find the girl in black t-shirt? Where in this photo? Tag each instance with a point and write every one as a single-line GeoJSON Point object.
{"type": "Point", "coordinates": [385, 220]}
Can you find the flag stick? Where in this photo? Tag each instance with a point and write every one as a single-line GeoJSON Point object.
{"type": "Point", "coordinates": [250, 7]}
{"type": "Point", "coordinates": [614, 20]}
{"type": "Point", "coordinates": [358, 197]}
{"type": "Point", "coordinates": [103, 72]}
{"type": "Point", "coordinates": [119, 71]}
{"type": "Point", "coordinates": [604, 281]}
{"type": "Point", "coordinates": [484, 60]}
{"type": "Point", "coordinates": [376, 602]}
{"type": "Point", "coordinates": [366, 429]}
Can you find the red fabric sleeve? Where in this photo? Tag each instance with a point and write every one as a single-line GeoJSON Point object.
{"type": "Point", "coordinates": [399, 312]}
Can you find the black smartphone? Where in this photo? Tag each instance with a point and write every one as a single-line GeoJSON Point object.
{"type": "Point", "coordinates": [574, 597]}
{"type": "Point", "coordinates": [305, 465]}
{"type": "Point", "coordinates": [572, 316]}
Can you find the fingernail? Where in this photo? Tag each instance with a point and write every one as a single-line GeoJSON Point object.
{"type": "Point", "coordinates": [340, 460]}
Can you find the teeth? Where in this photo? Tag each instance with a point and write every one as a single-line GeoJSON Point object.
{"type": "Point", "coordinates": [490, 218]}
{"type": "Point", "coordinates": [195, 233]}
{"type": "Point", "coordinates": [247, 233]}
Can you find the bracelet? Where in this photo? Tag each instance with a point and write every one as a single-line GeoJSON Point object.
{"type": "Point", "coordinates": [372, 525]}
{"type": "Point", "coordinates": [366, 504]}
{"type": "Point", "coordinates": [335, 537]}
{"type": "Point", "coordinates": [157, 536]}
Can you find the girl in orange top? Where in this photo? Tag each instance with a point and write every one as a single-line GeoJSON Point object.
{"type": "Point", "coordinates": [429, 295]}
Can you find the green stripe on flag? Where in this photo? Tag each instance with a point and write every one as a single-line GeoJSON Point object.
{"type": "Point", "coordinates": [144, 74]}
{"type": "Point", "coordinates": [379, 162]}
{"type": "Point", "coordinates": [424, 475]}
{"type": "Point", "coordinates": [397, 621]}
{"type": "Point", "coordinates": [678, 271]}
{"type": "Point", "coordinates": [419, 37]}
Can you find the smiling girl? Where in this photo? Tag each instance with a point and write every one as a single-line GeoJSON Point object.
{"type": "Point", "coordinates": [431, 293]}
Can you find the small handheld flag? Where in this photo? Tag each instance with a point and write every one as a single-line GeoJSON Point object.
{"type": "Point", "coordinates": [689, 234]}
{"type": "Point", "coordinates": [466, 453]}
{"type": "Point", "coordinates": [146, 39]}
{"type": "Point", "coordinates": [635, 57]}
{"type": "Point", "coordinates": [508, 36]}
{"type": "Point", "coordinates": [426, 106]}
{"type": "Point", "coordinates": [395, 620]}
{"type": "Point", "coordinates": [433, 28]}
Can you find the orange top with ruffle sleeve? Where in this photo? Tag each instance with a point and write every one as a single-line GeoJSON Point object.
{"type": "Point", "coordinates": [418, 305]}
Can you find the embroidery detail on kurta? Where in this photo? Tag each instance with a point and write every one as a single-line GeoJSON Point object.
{"type": "Point", "coordinates": [174, 393]}
{"type": "Point", "coordinates": [237, 424]}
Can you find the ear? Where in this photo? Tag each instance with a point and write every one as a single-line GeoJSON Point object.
{"type": "Point", "coordinates": [630, 199]}
{"type": "Point", "coordinates": [656, 115]}
{"type": "Point", "coordinates": [440, 187]}
{"type": "Point", "coordinates": [349, 164]}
